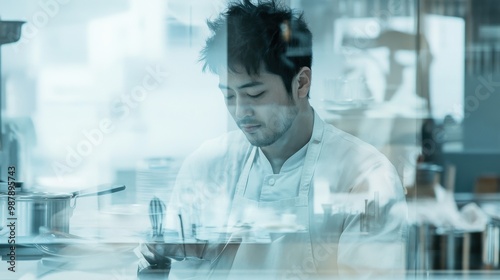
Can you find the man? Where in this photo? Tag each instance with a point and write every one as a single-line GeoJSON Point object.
{"type": "Point", "coordinates": [332, 203]}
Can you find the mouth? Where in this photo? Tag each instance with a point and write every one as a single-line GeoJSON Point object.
{"type": "Point", "coordinates": [250, 128]}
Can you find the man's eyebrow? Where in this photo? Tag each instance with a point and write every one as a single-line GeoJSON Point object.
{"type": "Point", "coordinates": [247, 85]}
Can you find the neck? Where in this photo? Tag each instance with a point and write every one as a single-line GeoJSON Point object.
{"type": "Point", "coordinates": [293, 140]}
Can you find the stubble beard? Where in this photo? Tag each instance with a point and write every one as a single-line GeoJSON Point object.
{"type": "Point", "coordinates": [277, 126]}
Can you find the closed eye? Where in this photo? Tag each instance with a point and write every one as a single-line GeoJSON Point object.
{"type": "Point", "coordinates": [257, 95]}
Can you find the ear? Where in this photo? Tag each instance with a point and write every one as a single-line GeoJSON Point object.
{"type": "Point", "coordinates": [304, 81]}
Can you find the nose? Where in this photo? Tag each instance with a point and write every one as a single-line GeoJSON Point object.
{"type": "Point", "coordinates": [242, 108]}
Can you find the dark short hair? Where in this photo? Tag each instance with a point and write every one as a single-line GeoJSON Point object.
{"type": "Point", "coordinates": [249, 34]}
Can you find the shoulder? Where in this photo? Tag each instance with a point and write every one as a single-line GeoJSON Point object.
{"type": "Point", "coordinates": [340, 142]}
{"type": "Point", "coordinates": [347, 160]}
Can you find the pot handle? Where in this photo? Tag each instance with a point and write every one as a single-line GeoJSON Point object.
{"type": "Point", "coordinates": [99, 190]}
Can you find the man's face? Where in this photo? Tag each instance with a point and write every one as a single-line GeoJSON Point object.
{"type": "Point", "coordinates": [259, 104]}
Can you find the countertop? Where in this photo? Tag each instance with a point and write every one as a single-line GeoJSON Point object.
{"type": "Point", "coordinates": [115, 258]}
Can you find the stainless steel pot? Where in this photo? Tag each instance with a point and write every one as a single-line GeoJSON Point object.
{"type": "Point", "coordinates": [10, 31]}
{"type": "Point", "coordinates": [41, 209]}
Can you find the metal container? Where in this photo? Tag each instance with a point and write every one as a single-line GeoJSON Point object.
{"type": "Point", "coordinates": [41, 209]}
{"type": "Point", "coordinates": [430, 248]}
{"type": "Point", "coordinates": [10, 31]}
{"type": "Point", "coordinates": [428, 174]}
{"type": "Point", "coordinates": [491, 246]}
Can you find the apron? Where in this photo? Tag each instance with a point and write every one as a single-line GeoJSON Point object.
{"type": "Point", "coordinates": [288, 254]}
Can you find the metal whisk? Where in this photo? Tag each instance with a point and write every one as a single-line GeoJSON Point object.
{"type": "Point", "coordinates": [156, 215]}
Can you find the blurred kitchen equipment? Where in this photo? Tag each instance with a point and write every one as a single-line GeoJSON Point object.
{"type": "Point", "coordinates": [67, 252]}
{"type": "Point", "coordinates": [65, 245]}
{"type": "Point", "coordinates": [18, 138]}
{"type": "Point", "coordinates": [155, 177]}
{"type": "Point", "coordinates": [153, 263]}
{"type": "Point", "coordinates": [427, 181]}
{"type": "Point", "coordinates": [182, 234]}
{"type": "Point", "coordinates": [433, 248]}
{"type": "Point", "coordinates": [44, 209]}
{"type": "Point", "coordinates": [156, 215]}
{"type": "Point", "coordinates": [396, 41]}
{"type": "Point", "coordinates": [449, 179]}
{"type": "Point", "coordinates": [347, 95]}
{"type": "Point", "coordinates": [10, 32]}
{"type": "Point", "coordinates": [491, 246]}
{"type": "Point", "coordinates": [432, 138]}
{"type": "Point", "coordinates": [419, 253]}
{"type": "Point", "coordinates": [428, 174]}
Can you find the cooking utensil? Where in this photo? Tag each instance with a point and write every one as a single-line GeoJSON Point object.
{"type": "Point", "coordinates": [154, 263]}
{"type": "Point", "coordinates": [182, 234]}
{"type": "Point", "coordinates": [99, 190]}
{"type": "Point", "coordinates": [156, 216]}
{"type": "Point", "coordinates": [52, 210]}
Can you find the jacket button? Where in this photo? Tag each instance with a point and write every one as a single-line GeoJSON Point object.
{"type": "Point", "coordinates": [271, 181]}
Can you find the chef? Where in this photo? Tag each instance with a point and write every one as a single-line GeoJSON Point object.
{"type": "Point", "coordinates": [336, 200]}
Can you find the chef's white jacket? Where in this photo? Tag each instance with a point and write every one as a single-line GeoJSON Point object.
{"type": "Point", "coordinates": [357, 212]}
